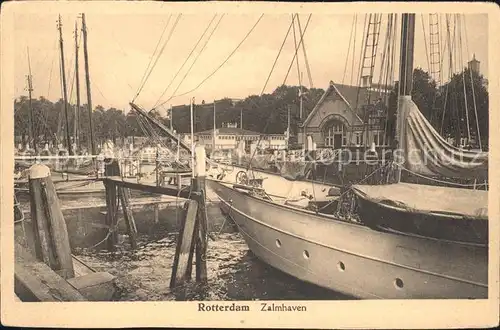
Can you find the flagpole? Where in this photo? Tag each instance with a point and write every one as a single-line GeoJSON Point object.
{"type": "Point", "coordinates": [215, 127]}
{"type": "Point", "coordinates": [171, 118]}
{"type": "Point", "coordinates": [192, 138]}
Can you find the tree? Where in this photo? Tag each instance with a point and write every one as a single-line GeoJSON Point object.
{"type": "Point", "coordinates": [444, 107]}
{"type": "Point", "coordinates": [457, 110]}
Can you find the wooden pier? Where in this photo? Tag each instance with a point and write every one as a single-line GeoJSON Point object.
{"type": "Point", "coordinates": [52, 273]}
{"type": "Point", "coordinates": [192, 239]}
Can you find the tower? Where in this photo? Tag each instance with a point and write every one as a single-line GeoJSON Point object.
{"type": "Point", "coordinates": [474, 64]}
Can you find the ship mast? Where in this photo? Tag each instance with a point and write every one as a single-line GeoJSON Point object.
{"type": "Point", "coordinates": [77, 78]}
{"type": "Point", "coordinates": [405, 73]}
{"type": "Point", "coordinates": [87, 79]}
{"type": "Point", "coordinates": [65, 95]}
{"type": "Point", "coordinates": [31, 128]}
{"type": "Point", "coordinates": [406, 59]}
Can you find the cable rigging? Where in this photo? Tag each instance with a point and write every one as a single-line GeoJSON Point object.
{"type": "Point", "coordinates": [472, 86]}
{"type": "Point", "coordinates": [262, 92]}
{"type": "Point", "coordinates": [152, 55]}
{"type": "Point", "coordinates": [185, 61]}
{"type": "Point", "coordinates": [159, 55]}
{"type": "Point", "coordinates": [296, 57]}
{"type": "Point", "coordinates": [296, 49]}
{"type": "Point", "coordinates": [304, 51]}
{"type": "Point", "coordinates": [277, 57]}
{"type": "Point", "coordinates": [192, 64]}
{"type": "Point", "coordinates": [349, 47]}
{"type": "Point", "coordinates": [224, 62]}
{"type": "Point", "coordinates": [463, 75]}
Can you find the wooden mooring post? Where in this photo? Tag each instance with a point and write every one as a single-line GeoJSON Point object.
{"type": "Point", "coordinates": [202, 228]}
{"type": "Point", "coordinates": [115, 195]}
{"type": "Point", "coordinates": [128, 216]}
{"type": "Point", "coordinates": [49, 228]}
{"type": "Point", "coordinates": [192, 238]}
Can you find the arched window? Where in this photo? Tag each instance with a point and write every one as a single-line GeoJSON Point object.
{"type": "Point", "coordinates": [335, 134]}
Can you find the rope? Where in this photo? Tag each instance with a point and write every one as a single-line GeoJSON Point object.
{"type": "Point", "coordinates": [349, 48]}
{"type": "Point", "coordinates": [362, 54]}
{"type": "Point", "coordinates": [425, 42]}
{"type": "Point", "coordinates": [472, 86]}
{"type": "Point", "coordinates": [224, 62]}
{"type": "Point", "coordinates": [463, 75]}
{"type": "Point", "coordinates": [350, 188]}
{"type": "Point", "coordinates": [159, 55]}
{"type": "Point", "coordinates": [304, 51]}
{"type": "Point", "coordinates": [296, 49]}
{"type": "Point", "coordinates": [191, 66]}
{"type": "Point", "coordinates": [296, 57]}
{"type": "Point", "coordinates": [354, 47]}
{"type": "Point", "coordinates": [50, 73]}
{"type": "Point", "coordinates": [185, 61]}
{"type": "Point", "coordinates": [277, 56]}
{"type": "Point", "coordinates": [151, 58]}
{"type": "Point", "coordinates": [113, 228]}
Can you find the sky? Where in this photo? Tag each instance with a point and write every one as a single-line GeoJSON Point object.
{"type": "Point", "coordinates": [120, 47]}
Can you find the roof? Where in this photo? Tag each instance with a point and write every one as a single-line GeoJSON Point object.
{"type": "Point", "coordinates": [335, 88]}
{"type": "Point", "coordinates": [230, 131]}
{"type": "Point", "coordinates": [354, 96]}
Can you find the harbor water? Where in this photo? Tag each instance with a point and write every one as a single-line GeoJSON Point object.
{"type": "Point", "coordinates": [234, 273]}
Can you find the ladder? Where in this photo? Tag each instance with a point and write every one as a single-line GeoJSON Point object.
{"type": "Point", "coordinates": [435, 61]}
{"type": "Point", "coordinates": [435, 48]}
{"type": "Point", "coordinates": [370, 51]}
{"type": "Point", "coordinates": [368, 65]}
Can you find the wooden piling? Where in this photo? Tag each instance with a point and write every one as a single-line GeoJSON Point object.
{"type": "Point", "coordinates": [129, 216]}
{"type": "Point", "coordinates": [50, 231]}
{"type": "Point", "coordinates": [193, 233]}
{"type": "Point", "coordinates": [201, 239]}
{"type": "Point", "coordinates": [111, 169]}
{"type": "Point", "coordinates": [184, 242]}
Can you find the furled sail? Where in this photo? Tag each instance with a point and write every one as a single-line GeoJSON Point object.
{"type": "Point", "coordinates": [425, 152]}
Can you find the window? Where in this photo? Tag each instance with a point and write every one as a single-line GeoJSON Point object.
{"type": "Point", "coordinates": [334, 134]}
{"type": "Point", "coordinates": [379, 138]}
{"type": "Point", "coordinates": [376, 138]}
{"type": "Point", "coordinates": [359, 138]}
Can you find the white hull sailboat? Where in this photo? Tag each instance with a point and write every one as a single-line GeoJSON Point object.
{"type": "Point", "coordinates": [372, 257]}
{"type": "Point", "coordinates": [287, 222]}
{"type": "Point", "coordinates": [352, 258]}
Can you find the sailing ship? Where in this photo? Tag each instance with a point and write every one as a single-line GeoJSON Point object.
{"type": "Point", "coordinates": [76, 170]}
{"type": "Point", "coordinates": [399, 246]}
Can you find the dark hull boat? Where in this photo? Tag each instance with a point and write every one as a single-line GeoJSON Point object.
{"type": "Point", "coordinates": [443, 213]}
{"type": "Point", "coordinates": [353, 258]}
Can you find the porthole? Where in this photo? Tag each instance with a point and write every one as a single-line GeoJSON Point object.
{"type": "Point", "coordinates": [341, 266]}
{"type": "Point", "coordinates": [278, 243]}
{"type": "Point", "coordinates": [398, 283]}
{"type": "Point", "coordinates": [306, 254]}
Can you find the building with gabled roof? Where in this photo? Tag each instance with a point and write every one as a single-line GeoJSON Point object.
{"type": "Point", "coordinates": [347, 116]}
